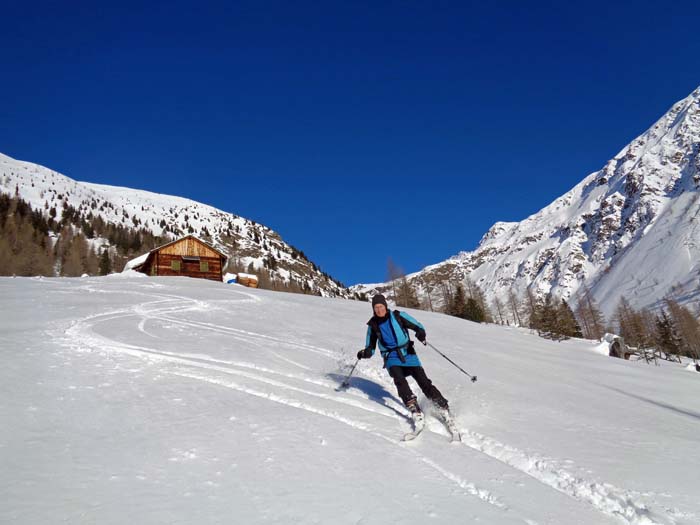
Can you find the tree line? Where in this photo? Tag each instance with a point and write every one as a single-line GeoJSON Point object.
{"type": "Point", "coordinates": [669, 331]}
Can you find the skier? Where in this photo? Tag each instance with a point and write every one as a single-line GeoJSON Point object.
{"type": "Point", "coordinates": [390, 330]}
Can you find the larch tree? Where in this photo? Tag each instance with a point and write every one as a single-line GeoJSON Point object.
{"type": "Point", "coordinates": [590, 316]}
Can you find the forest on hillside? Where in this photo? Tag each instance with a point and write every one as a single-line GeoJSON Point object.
{"type": "Point", "coordinates": [33, 242]}
{"type": "Point", "coordinates": [669, 331]}
{"type": "Point", "coordinates": [36, 243]}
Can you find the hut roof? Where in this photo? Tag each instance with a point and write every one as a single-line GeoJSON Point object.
{"type": "Point", "coordinates": [135, 263]}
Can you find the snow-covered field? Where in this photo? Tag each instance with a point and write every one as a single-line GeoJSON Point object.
{"type": "Point", "coordinates": [129, 399]}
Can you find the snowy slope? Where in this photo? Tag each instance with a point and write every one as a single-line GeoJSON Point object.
{"type": "Point", "coordinates": [630, 229]}
{"type": "Point", "coordinates": [172, 400]}
{"type": "Point", "coordinates": [162, 215]}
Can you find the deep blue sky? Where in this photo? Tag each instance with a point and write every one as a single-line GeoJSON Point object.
{"type": "Point", "coordinates": [368, 129]}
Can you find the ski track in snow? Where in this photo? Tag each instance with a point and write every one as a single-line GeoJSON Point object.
{"type": "Point", "coordinates": [80, 336]}
{"type": "Point", "coordinates": [287, 360]}
{"type": "Point", "coordinates": [469, 487]}
{"type": "Point", "coordinates": [246, 335]}
{"type": "Point", "coordinates": [604, 497]}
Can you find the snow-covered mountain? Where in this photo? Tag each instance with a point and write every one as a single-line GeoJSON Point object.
{"type": "Point", "coordinates": [246, 242]}
{"type": "Point", "coordinates": [632, 229]}
{"type": "Point", "coordinates": [128, 399]}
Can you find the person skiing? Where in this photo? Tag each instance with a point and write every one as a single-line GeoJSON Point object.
{"type": "Point", "coordinates": [390, 330]}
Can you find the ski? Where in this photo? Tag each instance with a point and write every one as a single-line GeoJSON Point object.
{"type": "Point", "coordinates": [449, 422]}
{"type": "Point", "coordinates": [418, 427]}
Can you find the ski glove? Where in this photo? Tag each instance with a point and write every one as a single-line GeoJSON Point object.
{"type": "Point", "coordinates": [420, 335]}
{"type": "Point", "coordinates": [364, 354]}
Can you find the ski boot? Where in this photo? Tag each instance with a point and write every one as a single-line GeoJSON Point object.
{"type": "Point", "coordinates": [443, 412]}
{"type": "Point", "coordinates": [417, 417]}
{"type": "Point", "coordinates": [414, 409]}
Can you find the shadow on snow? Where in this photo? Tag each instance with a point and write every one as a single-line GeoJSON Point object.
{"type": "Point", "coordinates": [374, 392]}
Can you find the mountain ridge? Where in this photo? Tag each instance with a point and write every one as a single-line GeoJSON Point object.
{"type": "Point", "coordinates": [588, 234]}
{"type": "Point", "coordinates": [247, 242]}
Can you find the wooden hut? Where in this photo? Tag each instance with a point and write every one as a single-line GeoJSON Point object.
{"type": "Point", "coordinates": [187, 256]}
{"type": "Point", "coordinates": [246, 279]}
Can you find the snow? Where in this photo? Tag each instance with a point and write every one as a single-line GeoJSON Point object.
{"type": "Point", "coordinates": [136, 262]}
{"type": "Point", "coordinates": [127, 274]}
{"type": "Point", "coordinates": [172, 400]}
{"type": "Point", "coordinates": [602, 348]}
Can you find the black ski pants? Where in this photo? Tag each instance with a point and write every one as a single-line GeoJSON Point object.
{"type": "Point", "coordinates": [399, 375]}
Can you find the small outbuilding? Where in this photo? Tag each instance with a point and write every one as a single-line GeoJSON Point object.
{"type": "Point", "coordinates": [617, 347]}
{"type": "Point", "coordinates": [246, 279]}
{"type": "Point", "coordinates": [188, 256]}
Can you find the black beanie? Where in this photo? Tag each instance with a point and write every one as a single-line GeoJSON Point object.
{"type": "Point", "coordinates": [379, 299]}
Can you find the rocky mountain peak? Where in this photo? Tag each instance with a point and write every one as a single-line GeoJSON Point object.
{"type": "Point", "coordinates": [630, 229]}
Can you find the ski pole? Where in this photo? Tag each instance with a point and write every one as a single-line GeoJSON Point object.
{"type": "Point", "coordinates": [473, 378]}
{"type": "Point", "coordinates": [346, 381]}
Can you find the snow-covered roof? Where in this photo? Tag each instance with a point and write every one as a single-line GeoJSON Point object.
{"type": "Point", "coordinates": [135, 263]}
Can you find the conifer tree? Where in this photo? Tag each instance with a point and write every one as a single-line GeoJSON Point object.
{"type": "Point", "coordinates": [406, 294]}
{"type": "Point", "coordinates": [473, 312]}
{"type": "Point", "coordinates": [71, 265]}
{"type": "Point", "coordinates": [587, 311]}
{"type": "Point", "coordinates": [428, 293]}
{"type": "Point", "coordinates": [105, 263]}
{"type": "Point", "coordinates": [500, 312]}
{"type": "Point", "coordinates": [667, 339]}
{"type": "Point", "coordinates": [474, 292]}
{"type": "Point", "coordinates": [632, 325]}
{"type": "Point", "coordinates": [6, 259]}
{"type": "Point", "coordinates": [25, 248]}
{"type": "Point", "coordinates": [458, 305]}
{"type": "Point", "coordinates": [532, 311]}
{"type": "Point", "coordinates": [446, 296]}
{"type": "Point", "coordinates": [514, 306]}
{"type": "Point", "coordinates": [544, 318]}
{"type": "Point", "coordinates": [688, 327]}
{"type": "Point", "coordinates": [567, 325]}
{"type": "Point", "coordinates": [91, 262]}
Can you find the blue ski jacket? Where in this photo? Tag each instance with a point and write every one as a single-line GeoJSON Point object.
{"type": "Point", "coordinates": [391, 333]}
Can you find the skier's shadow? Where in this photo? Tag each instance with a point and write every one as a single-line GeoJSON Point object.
{"type": "Point", "coordinates": [374, 391]}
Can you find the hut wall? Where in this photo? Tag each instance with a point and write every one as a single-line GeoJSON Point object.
{"type": "Point", "coordinates": [187, 257]}
{"type": "Point", "coordinates": [165, 266]}
{"type": "Point", "coordinates": [251, 281]}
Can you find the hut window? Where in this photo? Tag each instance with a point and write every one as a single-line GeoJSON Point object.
{"type": "Point", "coordinates": [204, 266]}
{"type": "Point", "coordinates": [175, 265]}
